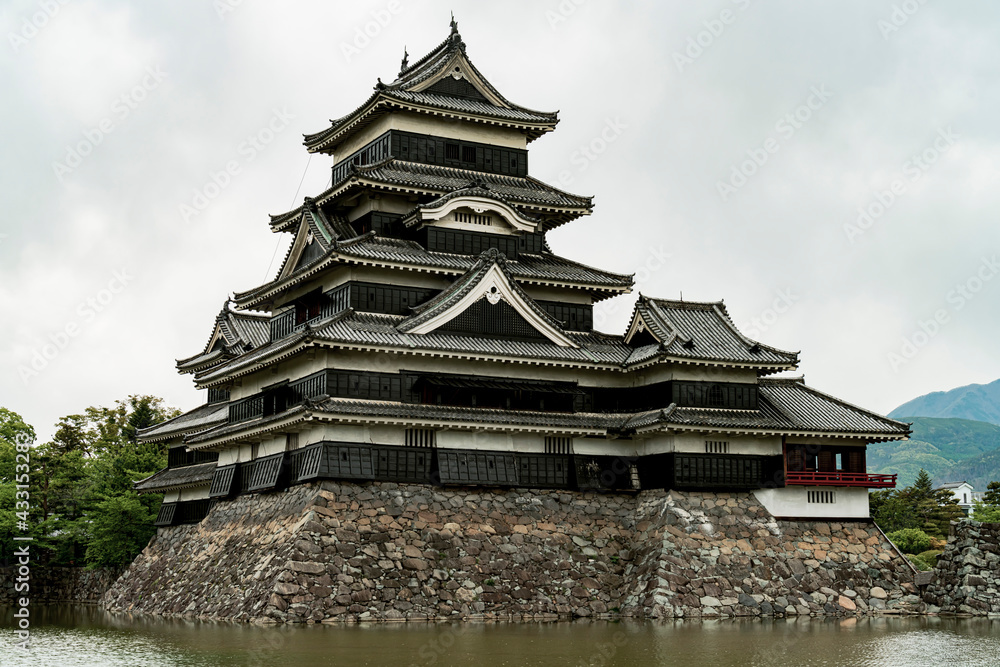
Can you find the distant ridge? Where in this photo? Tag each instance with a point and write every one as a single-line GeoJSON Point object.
{"type": "Point", "coordinates": [979, 402]}
{"type": "Point", "coordinates": [951, 450]}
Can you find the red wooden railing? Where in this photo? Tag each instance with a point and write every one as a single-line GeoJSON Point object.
{"type": "Point", "coordinates": [841, 479]}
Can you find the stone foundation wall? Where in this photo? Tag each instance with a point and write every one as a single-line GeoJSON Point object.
{"type": "Point", "coordinates": [339, 552]}
{"type": "Point", "coordinates": [712, 555]}
{"type": "Point", "coordinates": [57, 584]}
{"type": "Point", "coordinates": [967, 577]}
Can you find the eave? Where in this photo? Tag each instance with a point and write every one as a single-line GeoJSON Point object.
{"type": "Point", "coordinates": [381, 103]}
{"type": "Point", "coordinates": [303, 415]}
{"type": "Point", "coordinates": [748, 431]}
{"type": "Point", "coordinates": [308, 342]}
{"type": "Point", "coordinates": [264, 294]}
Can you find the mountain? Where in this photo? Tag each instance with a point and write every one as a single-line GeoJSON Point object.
{"type": "Point", "coordinates": [949, 449]}
{"type": "Point", "coordinates": [979, 402]}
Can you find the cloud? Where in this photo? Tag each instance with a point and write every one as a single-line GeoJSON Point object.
{"type": "Point", "coordinates": [655, 184]}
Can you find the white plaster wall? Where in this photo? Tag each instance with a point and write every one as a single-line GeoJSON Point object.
{"type": "Point", "coordinates": [272, 444]}
{"type": "Point", "coordinates": [661, 443]}
{"type": "Point", "coordinates": [693, 443]}
{"type": "Point", "coordinates": [229, 456]}
{"type": "Point", "coordinates": [501, 442]}
{"type": "Point", "coordinates": [791, 501]}
{"type": "Point", "coordinates": [171, 496]}
{"type": "Point", "coordinates": [195, 493]}
{"type": "Point", "coordinates": [605, 447]}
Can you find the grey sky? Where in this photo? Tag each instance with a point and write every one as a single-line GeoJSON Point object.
{"type": "Point", "coordinates": [834, 104]}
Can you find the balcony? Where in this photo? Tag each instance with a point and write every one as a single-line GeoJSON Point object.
{"type": "Point", "coordinates": [861, 479]}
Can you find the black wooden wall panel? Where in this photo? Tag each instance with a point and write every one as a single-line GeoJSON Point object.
{"type": "Point", "coordinates": [223, 481]}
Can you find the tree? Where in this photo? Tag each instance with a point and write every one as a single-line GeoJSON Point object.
{"type": "Point", "coordinates": [13, 431]}
{"type": "Point", "coordinates": [892, 512]}
{"type": "Point", "coordinates": [992, 495]}
{"type": "Point", "coordinates": [922, 487]}
{"type": "Point", "coordinates": [986, 513]}
{"type": "Point", "coordinates": [120, 529]}
{"type": "Point", "coordinates": [82, 502]}
{"type": "Point", "coordinates": [910, 540]}
{"type": "Point", "coordinates": [916, 506]}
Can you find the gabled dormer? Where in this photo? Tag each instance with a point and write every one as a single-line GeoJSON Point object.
{"type": "Point", "coordinates": [487, 302]}
{"type": "Point", "coordinates": [701, 333]}
{"type": "Point", "coordinates": [235, 333]}
{"type": "Point", "coordinates": [473, 208]}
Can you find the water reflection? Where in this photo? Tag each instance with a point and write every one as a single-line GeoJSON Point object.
{"type": "Point", "coordinates": [78, 635]}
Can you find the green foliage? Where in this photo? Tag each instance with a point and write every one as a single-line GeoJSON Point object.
{"type": "Point", "coordinates": [922, 487]}
{"type": "Point", "coordinates": [83, 508]}
{"type": "Point", "coordinates": [892, 512]}
{"type": "Point", "coordinates": [919, 563]}
{"type": "Point", "coordinates": [930, 557]}
{"type": "Point", "coordinates": [910, 540]}
{"type": "Point", "coordinates": [986, 513]}
{"type": "Point", "coordinates": [992, 495]}
{"type": "Point", "coordinates": [915, 507]}
{"type": "Point", "coordinates": [120, 528]}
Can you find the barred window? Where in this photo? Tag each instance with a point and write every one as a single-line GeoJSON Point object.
{"type": "Point", "coordinates": [716, 447]}
{"type": "Point", "coordinates": [420, 437]}
{"type": "Point", "coordinates": [715, 397]}
{"type": "Point", "coordinates": [474, 218]}
{"type": "Point", "coordinates": [821, 497]}
{"type": "Point", "coordinates": [558, 445]}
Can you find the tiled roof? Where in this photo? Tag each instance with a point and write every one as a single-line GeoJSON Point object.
{"type": "Point", "coordinates": [375, 330]}
{"type": "Point", "coordinates": [393, 174]}
{"type": "Point", "coordinates": [704, 331]}
{"type": "Point", "coordinates": [544, 268]}
{"type": "Point", "coordinates": [477, 188]}
{"type": "Point", "coordinates": [202, 417]}
{"type": "Point", "coordinates": [177, 478]}
{"type": "Point", "coordinates": [787, 406]}
{"type": "Point", "coordinates": [810, 409]}
{"type": "Point", "coordinates": [401, 93]}
{"type": "Point", "coordinates": [461, 287]}
{"type": "Point", "coordinates": [477, 107]}
{"type": "Point", "coordinates": [238, 332]}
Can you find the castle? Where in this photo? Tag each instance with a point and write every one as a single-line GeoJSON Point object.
{"type": "Point", "coordinates": [422, 330]}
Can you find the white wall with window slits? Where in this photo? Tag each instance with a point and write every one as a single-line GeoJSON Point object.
{"type": "Point", "coordinates": [793, 501]}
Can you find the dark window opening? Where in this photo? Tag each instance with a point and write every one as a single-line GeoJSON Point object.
{"type": "Point", "coordinates": [468, 153]}
{"type": "Point", "coordinates": [308, 307]}
{"type": "Point", "coordinates": [451, 151]}
{"type": "Point", "coordinates": [715, 397]}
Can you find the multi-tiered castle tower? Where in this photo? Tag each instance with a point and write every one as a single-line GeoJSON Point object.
{"type": "Point", "coordinates": [422, 330]}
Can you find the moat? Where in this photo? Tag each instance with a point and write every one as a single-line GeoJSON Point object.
{"type": "Point", "coordinates": [81, 635]}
